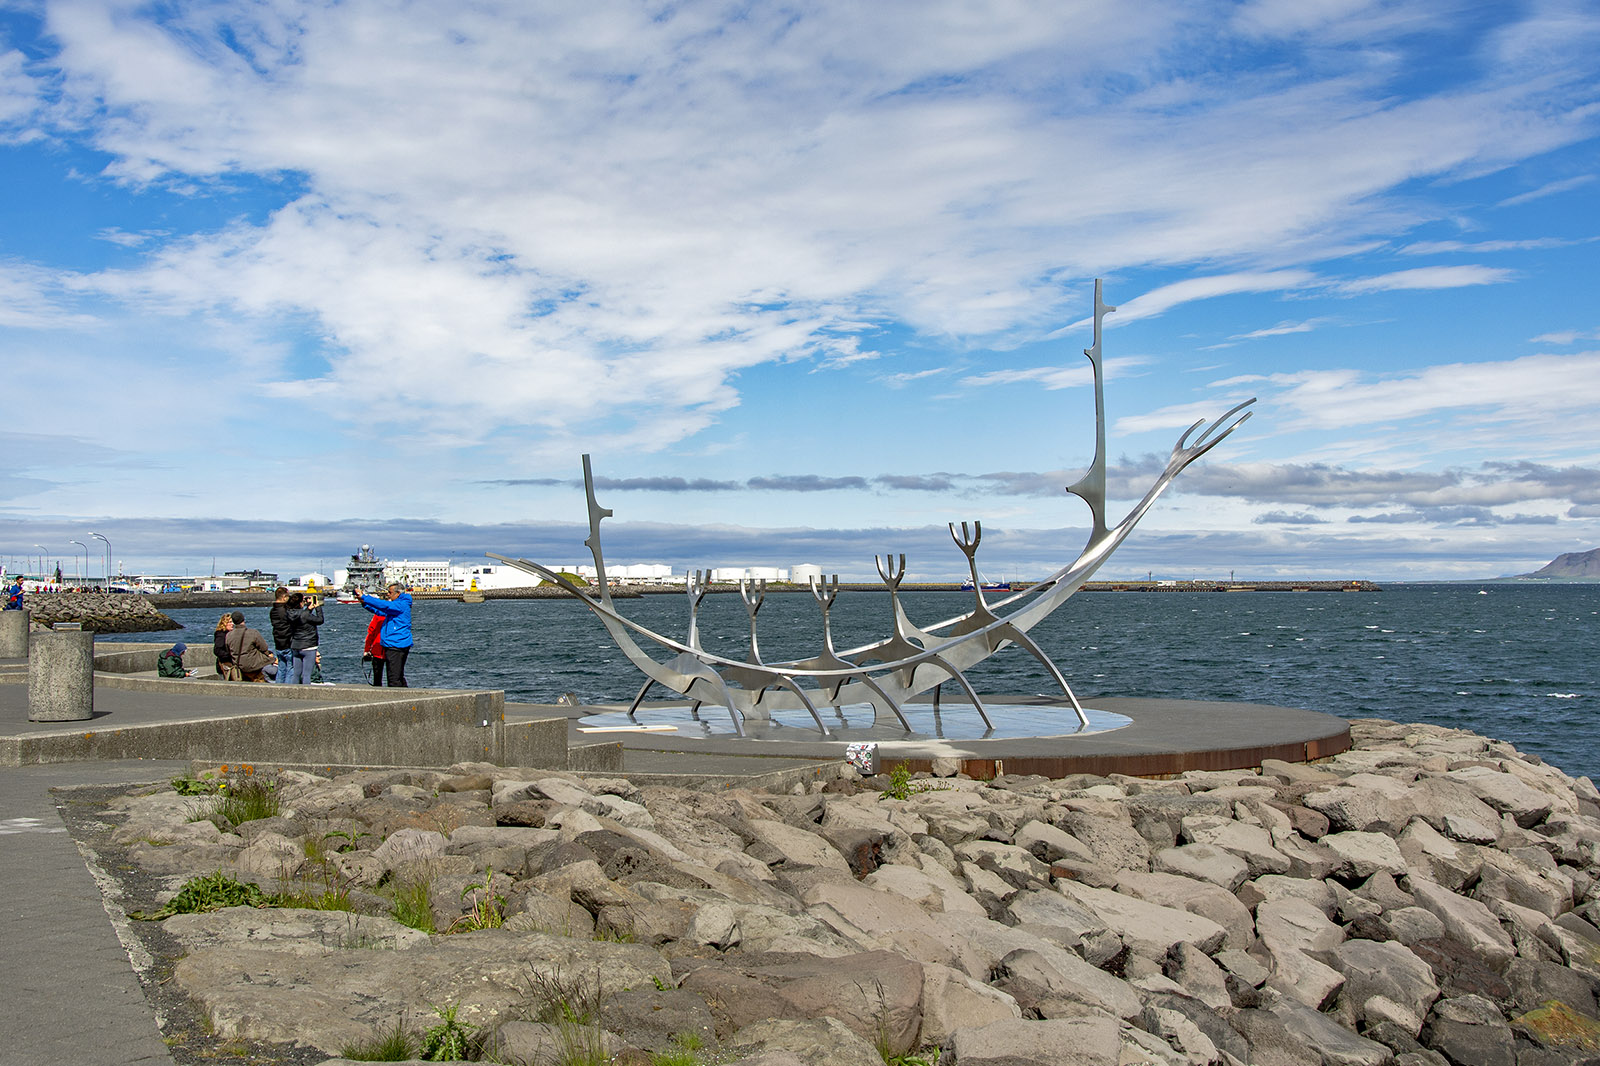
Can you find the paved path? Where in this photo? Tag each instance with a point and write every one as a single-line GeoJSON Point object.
{"type": "Point", "coordinates": [69, 990]}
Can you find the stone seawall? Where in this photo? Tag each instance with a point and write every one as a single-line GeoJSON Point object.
{"type": "Point", "coordinates": [1427, 898]}
{"type": "Point", "coordinates": [101, 612]}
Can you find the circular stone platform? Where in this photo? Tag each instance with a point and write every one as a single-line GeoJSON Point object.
{"type": "Point", "coordinates": [1140, 737]}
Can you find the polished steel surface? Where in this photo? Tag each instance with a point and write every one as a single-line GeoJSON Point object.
{"type": "Point", "coordinates": [910, 661]}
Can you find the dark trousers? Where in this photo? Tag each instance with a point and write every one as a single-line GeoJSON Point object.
{"type": "Point", "coordinates": [394, 663]}
{"type": "Point", "coordinates": [377, 671]}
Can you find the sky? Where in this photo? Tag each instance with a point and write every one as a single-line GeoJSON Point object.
{"type": "Point", "coordinates": [808, 281]}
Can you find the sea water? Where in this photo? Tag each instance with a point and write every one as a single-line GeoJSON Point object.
{"type": "Point", "coordinates": [1511, 661]}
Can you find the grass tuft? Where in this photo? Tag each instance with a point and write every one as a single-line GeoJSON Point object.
{"type": "Point", "coordinates": [413, 906]}
{"type": "Point", "coordinates": [247, 801]}
{"type": "Point", "coordinates": [391, 1045]}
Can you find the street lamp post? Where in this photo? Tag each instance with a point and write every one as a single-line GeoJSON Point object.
{"type": "Point", "coordinates": [85, 548]}
{"type": "Point", "coordinates": [97, 536]}
{"type": "Point", "coordinates": [42, 563]}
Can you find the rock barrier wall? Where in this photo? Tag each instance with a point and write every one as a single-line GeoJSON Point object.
{"type": "Point", "coordinates": [100, 612]}
{"type": "Point", "coordinates": [1429, 897]}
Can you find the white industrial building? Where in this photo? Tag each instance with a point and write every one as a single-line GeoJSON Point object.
{"type": "Point", "coordinates": [484, 577]}
{"type": "Point", "coordinates": [735, 574]}
{"type": "Point", "coordinates": [418, 574]}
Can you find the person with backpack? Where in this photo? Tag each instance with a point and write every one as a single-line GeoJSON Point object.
{"type": "Point", "coordinates": [305, 615]}
{"type": "Point", "coordinates": [282, 635]}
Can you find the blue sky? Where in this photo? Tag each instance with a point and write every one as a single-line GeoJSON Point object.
{"type": "Point", "coordinates": [280, 278]}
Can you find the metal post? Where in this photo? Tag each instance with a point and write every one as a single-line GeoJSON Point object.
{"type": "Point", "coordinates": [85, 548]}
{"type": "Point", "coordinates": [97, 536]}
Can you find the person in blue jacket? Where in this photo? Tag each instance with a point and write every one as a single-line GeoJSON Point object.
{"type": "Point", "coordinates": [14, 595]}
{"type": "Point", "coordinates": [395, 609]}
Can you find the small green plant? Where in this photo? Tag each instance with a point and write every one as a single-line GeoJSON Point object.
{"type": "Point", "coordinates": [450, 1040]}
{"type": "Point", "coordinates": [413, 905]}
{"type": "Point", "coordinates": [209, 892]}
{"type": "Point", "coordinates": [685, 1051]}
{"type": "Point", "coordinates": [488, 907]}
{"type": "Point", "coordinates": [925, 1057]}
{"type": "Point", "coordinates": [247, 801]}
{"type": "Point", "coordinates": [391, 1045]}
{"type": "Point", "coordinates": [661, 986]}
{"type": "Point", "coordinates": [351, 838]}
{"type": "Point", "coordinates": [194, 786]}
{"type": "Point", "coordinates": [901, 787]}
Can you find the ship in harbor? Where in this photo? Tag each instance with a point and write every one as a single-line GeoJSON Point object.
{"type": "Point", "coordinates": [364, 574]}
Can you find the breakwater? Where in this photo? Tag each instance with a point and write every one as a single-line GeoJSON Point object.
{"type": "Point", "coordinates": [1428, 897]}
{"type": "Point", "coordinates": [100, 612]}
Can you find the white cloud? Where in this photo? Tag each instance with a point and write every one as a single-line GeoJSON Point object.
{"type": "Point", "coordinates": [1055, 377]}
{"type": "Point", "coordinates": [1477, 247]}
{"type": "Point", "coordinates": [1532, 390]}
{"type": "Point", "coordinates": [18, 94]}
{"type": "Point", "coordinates": [505, 203]}
{"type": "Point", "coordinates": [1164, 299]}
{"type": "Point", "coordinates": [1442, 277]}
{"type": "Point", "coordinates": [1566, 336]}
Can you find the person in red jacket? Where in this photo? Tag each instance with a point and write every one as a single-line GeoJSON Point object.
{"type": "Point", "coordinates": [372, 650]}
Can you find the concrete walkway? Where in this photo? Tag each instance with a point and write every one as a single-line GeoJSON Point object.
{"type": "Point", "coordinates": [70, 994]}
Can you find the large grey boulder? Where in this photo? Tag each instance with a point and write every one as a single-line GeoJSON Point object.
{"type": "Point", "coordinates": [1113, 842]}
{"type": "Point", "coordinates": [1470, 1031]}
{"type": "Point", "coordinates": [410, 845]}
{"type": "Point", "coordinates": [1506, 877]}
{"type": "Point", "coordinates": [1336, 1045]}
{"type": "Point", "coordinates": [952, 1001]}
{"type": "Point", "coordinates": [874, 993]}
{"type": "Point", "coordinates": [1466, 920]}
{"type": "Point", "coordinates": [1380, 977]}
{"type": "Point", "coordinates": [1252, 843]}
{"type": "Point", "coordinates": [1363, 854]}
{"type": "Point", "coordinates": [340, 996]}
{"type": "Point", "coordinates": [1366, 803]}
{"type": "Point", "coordinates": [1197, 897]}
{"type": "Point", "coordinates": [776, 843]}
{"type": "Point", "coordinates": [1297, 923]}
{"type": "Point", "coordinates": [1449, 862]}
{"type": "Point", "coordinates": [1056, 983]}
{"type": "Point", "coordinates": [1505, 793]}
{"type": "Point", "coordinates": [1297, 975]}
{"type": "Point", "coordinates": [1270, 1041]}
{"type": "Point", "coordinates": [1052, 1042]}
{"type": "Point", "coordinates": [291, 930]}
{"type": "Point", "coordinates": [1147, 928]}
{"type": "Point", "coordinates": [933, 892]}
{"type": "Point", "coordinates": [821, 1041]}
{"type": "Point", "coordinates": [1049, 843]}
{"type": "Point", "coordinates": [1203, 862]}
{"type": "Point", "coordinates": [892, 922]}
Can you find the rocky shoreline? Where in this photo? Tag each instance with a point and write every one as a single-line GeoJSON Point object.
{"type": "Point", "coordinates": [102, 612]}
{"type": "Point", "coordinates": [1429, 897]}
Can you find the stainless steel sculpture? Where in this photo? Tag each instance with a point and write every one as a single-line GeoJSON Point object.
{"type": "Point", "coordinates": [913, 659]}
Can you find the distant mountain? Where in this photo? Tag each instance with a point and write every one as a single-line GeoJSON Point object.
{"type": "Point", "coordinates": [1571, 566]}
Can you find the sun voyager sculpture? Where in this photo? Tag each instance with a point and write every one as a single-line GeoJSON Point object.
{"type": "Point", "coordinates": [913, 659]}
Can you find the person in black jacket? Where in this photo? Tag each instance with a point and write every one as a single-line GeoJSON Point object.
{"type": "Point", "coordinates": [281, 635]}
{"type": "Point", "coordinates": [305, 615]}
